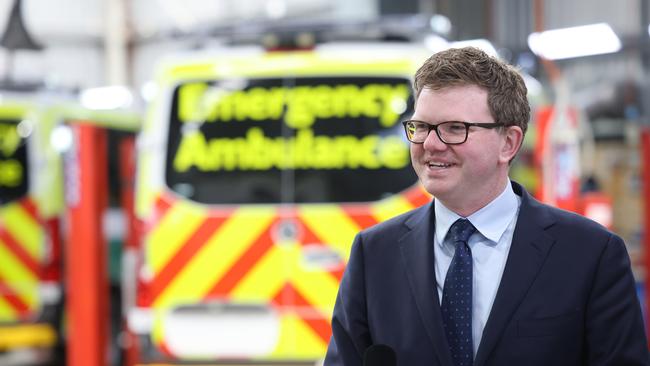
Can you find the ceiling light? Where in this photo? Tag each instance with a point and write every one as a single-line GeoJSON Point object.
{"type": "Point", "coordinates": [108, 97]}
{"type": "Point", "coordinates": [573, 42]}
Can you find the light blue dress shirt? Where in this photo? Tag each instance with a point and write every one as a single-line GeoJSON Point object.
{"type": "Point", "coordinates": [490, 244]}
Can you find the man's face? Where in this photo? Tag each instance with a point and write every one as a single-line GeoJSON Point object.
{"type": "Point", "coordinates": [467, 176]}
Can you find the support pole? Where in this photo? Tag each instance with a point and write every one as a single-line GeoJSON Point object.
{"type": "Point", "coordinates": [86, 265]}
{"type": "Point", "coordinates": [130, 250]}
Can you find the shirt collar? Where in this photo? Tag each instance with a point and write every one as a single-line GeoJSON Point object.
{"type": "Point", "coordinates": [491, 221]}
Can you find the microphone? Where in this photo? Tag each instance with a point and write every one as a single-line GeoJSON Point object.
{"type": "Point", "coordinates": [379, 355]}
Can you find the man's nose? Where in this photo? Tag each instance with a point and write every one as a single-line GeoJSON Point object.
{"type": "Point", "coordinates": [433, 142]}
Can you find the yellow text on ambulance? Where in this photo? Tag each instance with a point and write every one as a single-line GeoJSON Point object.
{"type": "Point", "coordinates": [256, 151]}
{"type": "Point", "coordinates": [301, 105]}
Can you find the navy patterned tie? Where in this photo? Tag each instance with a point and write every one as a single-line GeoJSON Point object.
{"type": "Point", "coordinates": [457, 295]}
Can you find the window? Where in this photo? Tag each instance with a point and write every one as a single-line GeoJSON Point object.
{"type": "Point", "coordinates": [14, 177]}
{"type": "Point", "coordinates": [302, 140]}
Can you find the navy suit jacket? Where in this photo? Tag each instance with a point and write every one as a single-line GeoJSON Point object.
{"type": "Point", "coordinates": [567, 295]}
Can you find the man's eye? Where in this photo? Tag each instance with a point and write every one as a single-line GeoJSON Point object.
{"type": "Point", "coordinates": [421, 127]}
{"type": "Point", "coordinates": [456, 127]}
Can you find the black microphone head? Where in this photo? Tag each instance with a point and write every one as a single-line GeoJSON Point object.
{"type": "Point", "coordinates": [379, 355]}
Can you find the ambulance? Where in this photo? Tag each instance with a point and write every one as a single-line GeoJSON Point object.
{"type": "Point", "coordinates": [33, 197]}
{"type": "Point", "coordinates": [30, 265]}
{"type": "Point", "coordinates": [256, 168]}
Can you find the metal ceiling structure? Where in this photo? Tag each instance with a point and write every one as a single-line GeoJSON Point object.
{"type": "Point", "coordinates": [99, 42]}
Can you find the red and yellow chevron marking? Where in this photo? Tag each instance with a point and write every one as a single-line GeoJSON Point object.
{"type": "Point", "coordinates": [196, 254]}
{"type": "Point", "coordinates": [15, 302]}
{"type": "Point", "coordinates": [22, 252]}
{"type": "Point", "coordinates": [305, 331]}
{"type": "Point", "coordinates": [243, 264]}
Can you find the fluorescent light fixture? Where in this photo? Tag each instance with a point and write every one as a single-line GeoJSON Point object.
{"type": "Point", "coordinates": [440, 24]}
{"type": "Point", "coordinates": [572, 42]}
{"type": "Point", "coordinates": [276, 9]}
{"type": "Point", "coordinates": [482, 44]}
{"type": "Point", "coordinates": [107, 97]}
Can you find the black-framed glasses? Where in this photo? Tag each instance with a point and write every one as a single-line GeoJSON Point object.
{"type": "Point", "coordinates": [450, 132]}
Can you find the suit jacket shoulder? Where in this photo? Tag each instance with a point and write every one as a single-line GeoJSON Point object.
{"type": "Point", "coordinates": [399, 224]}
{"type": "Point", "coordinates": [566, 297]}
{"type": "Point", "coordinates": [564, 227]}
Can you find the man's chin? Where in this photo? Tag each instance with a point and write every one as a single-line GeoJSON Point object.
{"type": "Point", "coordinates": [435, 188]}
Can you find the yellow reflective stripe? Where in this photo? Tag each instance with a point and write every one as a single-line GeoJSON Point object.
{"type": "Point", "coordinates": [22, 227]}
{"type": "Point", "coordinates": [173, 230]}
{"type": "Point", "coordinates": [7, 312]}
{"type": "Point", "coordinates": [306, 63]}
{"type": "Point", "coordinates": [157, 331]}
{"type": "Point", "coordinates": [266, 278]}
{"type": "Point", "coordinates": [14, 273]}
{"type": "Point", "coordinates": [297, 339]}
{"type": "Point", "coordinates": [318, 287]}
{"type": "Point", "coordinates": [32, 335]}
{"type": "Point", "coordinates": [13, 110]}
{"type": "Point", "coordinates": [217, 256]}
{"type": "Point", "coordinates": [48, 190]}
{"type": "Point", "coordinates": [145, 195]}
{"type": "Point", "coordinates": [23, 282]}
{"type": "Point", "coordinates": [389, 208]}
{"type": "Point", "coordinates": [310, 344]}
{"type": "Point", "coordinates": [331, 225]}
{"type": "Point", "coordinates": [191, 69]}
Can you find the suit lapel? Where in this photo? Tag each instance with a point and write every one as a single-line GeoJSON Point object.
{"type": "Point", "coordinates": [530, 246]}
{"type": "Point", "coordinates": [417, 254]}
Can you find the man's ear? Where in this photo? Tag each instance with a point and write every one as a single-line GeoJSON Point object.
{"type": "Point", "coordinates": [514, 137]}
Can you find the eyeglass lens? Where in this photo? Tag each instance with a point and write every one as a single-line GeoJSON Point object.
{"type": "Point", "coordinates": [448, 132]}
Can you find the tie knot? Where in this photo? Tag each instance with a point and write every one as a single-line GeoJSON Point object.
{"type": "Point", "coordinates": [461, 230]}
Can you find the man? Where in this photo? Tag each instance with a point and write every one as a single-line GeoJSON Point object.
{"type": "Point", "coordinates": [515, 282]}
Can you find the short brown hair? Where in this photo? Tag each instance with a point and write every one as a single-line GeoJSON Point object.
{"type": "Point", "coordinates": [470, 66]}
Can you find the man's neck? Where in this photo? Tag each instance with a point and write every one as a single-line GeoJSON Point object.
{"type": "Point", "coordinates": [469, 206]}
